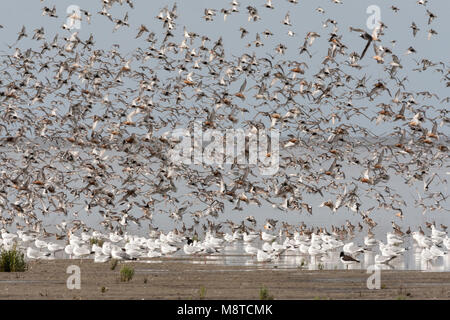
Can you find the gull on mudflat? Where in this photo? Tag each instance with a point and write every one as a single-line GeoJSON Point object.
{"type": "Point", "coordinates": [249, 237]}
{"type": "Point", "coordinates": [40, 244]}
{"type": "Point", "coordinates": [54, 247]}
{"type": "Point", "coordinates": [81, 251]}
{"type": "Point", "coordinates": [267, 237]}
{"type": "Point", "coordinates": [446, 242]}
{"type": "Point", "coordinates": [262, 256]}
{"type": "Point", "coordinates": [379, 259]}
{"type": "Point", "coordinates": [100, 258]}
{"type": "Point", "coordinates": [119, 254]}
{"type": "Point", "coordinates": [352, 249]}
{"type": "Point", "coordinates": [36, 254]}
{"type": "Point", "coordinates": [347, 260]}
{"type": "Point", "coordinates": [250, 249]}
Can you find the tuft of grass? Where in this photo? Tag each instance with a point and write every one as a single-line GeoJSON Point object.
{"type": "Point", "coordinates": [321, 298]}
{"type": "Point", "coordinates": [96, 241]}
{"type": "Point", "coordinates": [12, 261]}
{"type": "Point", "coordinates": [202, 293]}
{"type": "Point", "coordinates": [103, 289]}
{"type": "Point", "coordinates": [113, 264]}
{"type": "Point", "coordinates": [264, 294]}
{"type": "Point", "coordinates": [320, 266]}
{"type": "Point", "coordinates": [126, 274]}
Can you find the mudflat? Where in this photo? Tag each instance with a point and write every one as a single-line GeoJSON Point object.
{"type": "Point", "coordinates": [178, 279]}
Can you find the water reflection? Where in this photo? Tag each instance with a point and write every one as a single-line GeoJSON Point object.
{"type": "Point", "coordinates": [236, 255]}
{"type": "Point", "coordinates": [241, 254]}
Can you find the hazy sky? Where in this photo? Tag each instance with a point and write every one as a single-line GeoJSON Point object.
{"type": "Point", "coordinates": [304, 18]}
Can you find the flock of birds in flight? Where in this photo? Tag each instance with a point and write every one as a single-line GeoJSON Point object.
{"type": "Point", "coordinates": [88, 135]}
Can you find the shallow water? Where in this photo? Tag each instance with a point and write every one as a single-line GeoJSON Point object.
{"type": "Point", "coordinates": [233, 254]}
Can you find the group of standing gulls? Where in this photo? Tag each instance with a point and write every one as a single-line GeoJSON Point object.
{"type": "Point", "coordinates": [319, 247]}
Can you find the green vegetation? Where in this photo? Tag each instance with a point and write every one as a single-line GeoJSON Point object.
{"type": "Point", "coordinates": [113, 264]}
{"type": "Point", "coordinates": [96, 241]}
{"type": "Point", "coordinates": [303, 263]}
{"type": "Point", "coordinates": [321, 298]}
{"type": "Point", "coordinates": [12, 261]}
{"type": "Point", "coordinates": [264, 294]}
{"type": "Point", "coordinates": [126, 274]}
{"type": "Point", "coordinates": [202, 293]}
